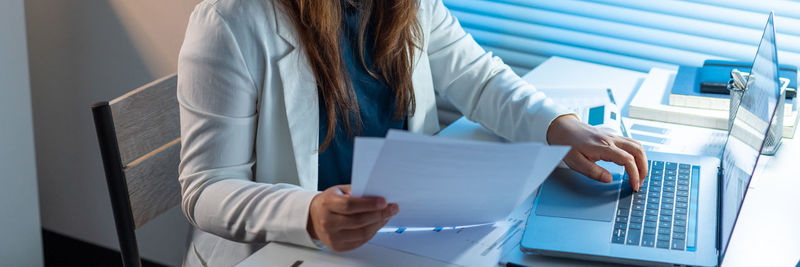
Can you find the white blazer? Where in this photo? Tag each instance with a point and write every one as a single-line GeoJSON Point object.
{"type": "Point", "coordinates": [250, 118]}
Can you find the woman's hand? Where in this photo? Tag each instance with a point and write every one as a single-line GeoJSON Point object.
{"type": "Point", "coordinates": [343, 222]}
{"type": "Point", "coordinates": [590, 144]}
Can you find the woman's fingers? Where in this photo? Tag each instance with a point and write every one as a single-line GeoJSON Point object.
{"type": "Point", "coordinates": [591, 144]}
{"type": "Point", "coordinates": [335, 217]}
{"type": "Point", "coordinates": [347, 232]}
{"type": "Point", "coordinates": [360, 220]}
{"type": "Point", "coordinates": [581, 164]}
{"type": "Point", "coordinates": [363, 234]}
{"type": "Point", "coordinates": [346, 204]}
{"type": "Point", "coordinates": [634, 148]}
{"type": "Point", "coordinates": [621, 157]}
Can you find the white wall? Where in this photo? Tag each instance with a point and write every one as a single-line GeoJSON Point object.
{"type": "Point", "coordinates": [20, 232]}
{"type": "Point", "coordinates": [80, 52]}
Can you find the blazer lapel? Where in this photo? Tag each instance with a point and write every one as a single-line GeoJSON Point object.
{"type": "Point", "coordinates": [301, 100]}
{"type": "Point", "coordinates": [284, 27]}
{"type": "Point", "coordinates": [425, 119]}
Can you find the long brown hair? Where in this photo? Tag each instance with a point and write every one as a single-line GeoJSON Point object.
{"type": "Point", "coordinates": [397, 33]}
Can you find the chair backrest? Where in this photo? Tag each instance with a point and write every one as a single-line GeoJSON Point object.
{"type": "Point", "coordinates": [139, 136]}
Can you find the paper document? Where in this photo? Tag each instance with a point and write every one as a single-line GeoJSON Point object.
{"type": "Point", "coordinates": [368, 149]}
{"type": "Point", "coordinates": [483, 245]}
{"type": "Point", "coordinates": [440, 182]}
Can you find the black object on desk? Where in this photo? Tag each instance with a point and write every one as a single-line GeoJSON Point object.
{"type": "Point", "coordinates": [715, 75]}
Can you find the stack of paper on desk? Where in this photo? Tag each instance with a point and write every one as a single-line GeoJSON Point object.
{"type": "Point", "coordinates": [445, 182]}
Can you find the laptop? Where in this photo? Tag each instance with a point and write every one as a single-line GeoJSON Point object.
{"type": "Point", "coordinates": [686, 210]}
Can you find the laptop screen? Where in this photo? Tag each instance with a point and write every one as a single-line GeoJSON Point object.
{"type": "Point", "coordinates": [749, 130]}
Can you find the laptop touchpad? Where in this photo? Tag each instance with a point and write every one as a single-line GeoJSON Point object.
{"type": "Point", "coordinates": [569, 194]}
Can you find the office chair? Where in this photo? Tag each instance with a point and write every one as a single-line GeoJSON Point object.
{"type": "Point", "coordinates": [139, 136]}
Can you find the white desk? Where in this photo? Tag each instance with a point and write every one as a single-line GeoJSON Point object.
{"type": "Point", "coordinates": [767, 232]}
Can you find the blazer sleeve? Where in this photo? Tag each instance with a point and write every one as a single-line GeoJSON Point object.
{"type": "Point", "coordinates": [481, 86]}
{"type": "Point", "coordinates": [218, 114]}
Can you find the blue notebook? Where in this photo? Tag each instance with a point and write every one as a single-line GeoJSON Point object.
{"type": "Point", "coordinates": [686, 83]}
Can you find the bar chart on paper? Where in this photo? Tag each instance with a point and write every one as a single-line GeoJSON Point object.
{"type": "Point", "coordinates": [675, 138]}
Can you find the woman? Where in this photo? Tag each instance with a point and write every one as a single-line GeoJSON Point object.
{"type": "Point", "coordinates": [273, 91]}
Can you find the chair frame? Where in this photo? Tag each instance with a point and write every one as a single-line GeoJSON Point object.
{"type": "Point", "coordinates": [117, 186]}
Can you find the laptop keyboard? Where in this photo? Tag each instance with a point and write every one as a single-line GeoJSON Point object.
{"type": "Point", "coordinates": [660, 214]}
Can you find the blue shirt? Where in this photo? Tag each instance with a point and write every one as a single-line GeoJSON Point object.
{"type": "Point", "coordinates": [375, 101]}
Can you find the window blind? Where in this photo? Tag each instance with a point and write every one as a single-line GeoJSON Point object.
{"type": "Point", "coordinates": [635, 35]}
